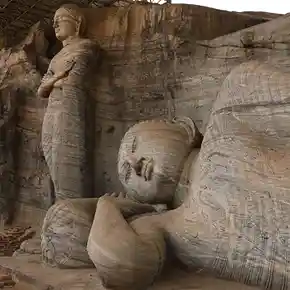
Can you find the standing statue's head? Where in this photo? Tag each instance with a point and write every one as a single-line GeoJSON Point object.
{"type": "Point", "coordinates": [69, 22]}
{"type": "Point", "coordinates": [152, 155]}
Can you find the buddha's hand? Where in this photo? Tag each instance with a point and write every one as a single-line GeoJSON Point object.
{"type": "Point", "coordinates": [126, 255]}
{"type": "Point", "coordinates": [127, 207]}
{"type": "Point", "coordinates": [119, 195]}
{"type": "Point", "coordinates": [60, 78]}
{"type": "Point", "coordinates": [48, 83]}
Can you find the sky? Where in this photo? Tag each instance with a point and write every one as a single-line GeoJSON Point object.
{"type": "Point", "coordinates": [275, 6]}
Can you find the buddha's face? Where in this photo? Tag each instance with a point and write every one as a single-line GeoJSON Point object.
{"type": "Point", "coordinates": [64, 25]}
{"type": "Point", "coordinates": [151, 158]}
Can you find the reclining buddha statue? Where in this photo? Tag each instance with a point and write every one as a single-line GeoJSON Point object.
{"type": "Point", "coordinates": [233, 220]}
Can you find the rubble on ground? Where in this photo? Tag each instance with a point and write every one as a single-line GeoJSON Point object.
{"type": "Point", "coordinates": [11, 239]}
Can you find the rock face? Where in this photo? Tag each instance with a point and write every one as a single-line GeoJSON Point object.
{"type": "Point", "coordinates": [8, 156]}
{"type": "Point", "coordinates": [21, 166]}
{"type": "Point", "coordinates": [266, 15]}
{"type": "Point", "coordinates": [152, 64]}
{"type": "Point", "coordinates": [266, 42]}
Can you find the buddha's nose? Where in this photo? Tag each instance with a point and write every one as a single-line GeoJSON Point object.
{"type": "Point", "coordinates": [136, 163]}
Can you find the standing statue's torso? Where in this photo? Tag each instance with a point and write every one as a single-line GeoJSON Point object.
{"type": "Point", "coordinates": [72, 94]}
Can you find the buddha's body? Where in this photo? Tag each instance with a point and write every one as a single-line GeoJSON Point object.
{"type": "Point", "coordinates": [234, 220]}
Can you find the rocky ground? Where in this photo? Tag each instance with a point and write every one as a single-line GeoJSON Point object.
{"type": "Point", "coordinates": [10, 240]}
{"type": "Point", "coordinates": [6, 281]}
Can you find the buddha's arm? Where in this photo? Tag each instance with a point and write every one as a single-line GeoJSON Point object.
{"type": "Point", "coordinates": [124, 256]}
{"type": "Point", "coordinates": [126, 206]}
{"type": "Point", "coordinates": [47, 83]}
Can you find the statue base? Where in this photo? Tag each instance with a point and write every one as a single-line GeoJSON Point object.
{"type": "Point", "coordinates": [29, 273]}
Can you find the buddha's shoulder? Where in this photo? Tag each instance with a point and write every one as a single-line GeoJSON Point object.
{"type": "Point", "coordinates": [75, 49]}
{"type": "Point", "coordinates": [87, 43]}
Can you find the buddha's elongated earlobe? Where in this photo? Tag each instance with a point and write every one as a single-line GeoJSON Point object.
{"type": "Point", "coordinates": [194, 136]}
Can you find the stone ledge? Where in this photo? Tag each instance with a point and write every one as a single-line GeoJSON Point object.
{"type": "Point", "coordinates": [28, 270]}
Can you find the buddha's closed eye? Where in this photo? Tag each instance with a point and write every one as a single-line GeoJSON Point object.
{"type": "Point", "coordinates": [134, 145]}
{"type": "Point", "coordinates": [127, 169]}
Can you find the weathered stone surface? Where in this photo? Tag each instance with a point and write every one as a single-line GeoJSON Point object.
{"type": "Point", "coordinates": [8, 151]}
{"type": "Point", "coordinates": [135, 22]}
{"type": "Point", "coordinates": [30, 271]}
{"type": "Point", "coordinates": [214, 59]}
{"type": "Point", "coordinates": [22, 123]}
{"type": "Point", "coordinates": [65, 233]}
{"type": "Point", "coordinates": [261, 14]}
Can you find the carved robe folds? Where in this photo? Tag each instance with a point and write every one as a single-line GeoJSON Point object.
{"type": "Point", "coordinates": [65, 131]}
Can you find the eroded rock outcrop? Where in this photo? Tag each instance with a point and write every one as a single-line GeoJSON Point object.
{"type": "Point", "coordinates": [8, 115]}
{"type": "Point", "coordinates": [21, 119]}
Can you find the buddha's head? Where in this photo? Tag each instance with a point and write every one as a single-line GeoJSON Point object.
{"type": "Point", "coordinates": [152, 155]}
{"type": "Point", "coordinates": [68, 22]}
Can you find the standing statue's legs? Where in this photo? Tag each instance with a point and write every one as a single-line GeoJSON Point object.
{"type": "Point", "coordinates": [47, 131]}
{"type": "Point", "coordinates": [69, 156]}
{"type": "Point", "coordinates": [64, 151]}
